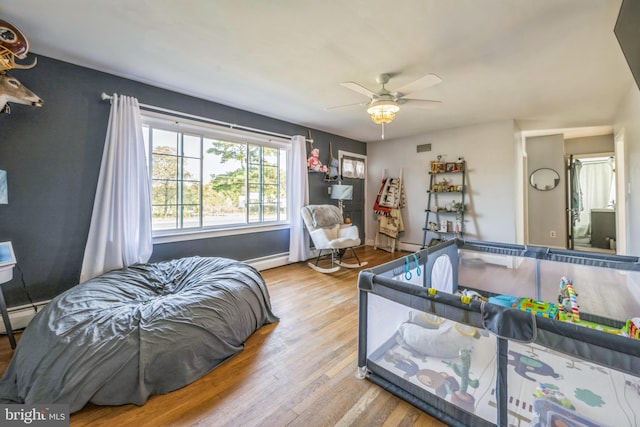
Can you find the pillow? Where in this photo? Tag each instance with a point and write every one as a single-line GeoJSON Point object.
{"type": "Point", "coordinates": [325, 216]}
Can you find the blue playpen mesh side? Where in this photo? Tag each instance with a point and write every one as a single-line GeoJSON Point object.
{"type": "Point", "coordinates": [469, 362]}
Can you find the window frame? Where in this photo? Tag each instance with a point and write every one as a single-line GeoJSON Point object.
{"type": "Point", "coordinates": [204, 130]}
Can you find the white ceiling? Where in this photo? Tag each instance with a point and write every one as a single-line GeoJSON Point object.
{"type": "Point", "coordinates": [531, 60]}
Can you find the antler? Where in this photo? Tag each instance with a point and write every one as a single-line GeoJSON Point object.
{"type": "Point", "coordinates": [24, 66]}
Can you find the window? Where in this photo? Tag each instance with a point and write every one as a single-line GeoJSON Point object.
{"type": "Point", "coordinates": [204, 177]}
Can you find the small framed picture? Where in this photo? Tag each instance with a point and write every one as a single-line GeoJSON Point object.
{"type": "Point", "coordinates": [450, 167]}
{"type": "Point", "coordinates": [437, 167]}
{"type": "Point", "coordinates": [7, 256]}
{"type": "Point", "coordinates": [459, 167]}
{"type": "Point", "coordinates": [4, 198]}
{"type": "Point", "coordinates": [444, 226]}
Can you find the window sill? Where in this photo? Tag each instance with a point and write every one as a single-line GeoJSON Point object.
{"type": "Point", "coordinates": [183, 235]}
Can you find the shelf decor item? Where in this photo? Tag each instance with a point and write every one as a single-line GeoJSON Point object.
{"type": "Point", "coordinates": [438, 167]}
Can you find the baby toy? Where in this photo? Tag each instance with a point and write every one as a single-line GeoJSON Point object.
{"type": "Point", "coordinates": [504, 300]}
{"type": "Point", "coordinates": [436, 337]}
{"type": "Point", "coordinates": [461, 397]}
{"type": "Point", "coordinates": [537, 307]}
{"type": "Point", "coordinates": [568, 297]}
{"type": "Point", "coordinates": [632, 328]}
{"type": "Point", "coordinates": [313, 162]}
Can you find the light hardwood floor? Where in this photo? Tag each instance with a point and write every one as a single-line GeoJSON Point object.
{"type": "Point", "coordinates": [299, 371]}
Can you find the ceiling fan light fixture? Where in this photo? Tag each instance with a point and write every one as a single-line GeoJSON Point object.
{"type": "Point", "coordinates": [383, 111]}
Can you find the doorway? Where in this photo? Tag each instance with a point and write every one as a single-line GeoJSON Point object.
{"type": "Point", "coordinates": [594, 142]}
{"type": "Point", "coordinates": [592, 202]}
{"type": "Point", "coordinates": [352, 167]}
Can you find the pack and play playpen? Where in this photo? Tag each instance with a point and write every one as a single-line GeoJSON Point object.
{"type": "Point", "coordinates": [482, 334]}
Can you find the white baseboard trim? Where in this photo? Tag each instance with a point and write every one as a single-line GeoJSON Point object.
{"type": "Point", "coordinates": [271, 261]}
{"type": "Point", "coordinates": [21, 316]}
{"type": "Point", "coordinates": [409, 247]}
{"type": "Point", "coordinates": [277, 260]}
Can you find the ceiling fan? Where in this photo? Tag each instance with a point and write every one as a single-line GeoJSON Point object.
{"type": "Point", "coordinates": [384, 104]}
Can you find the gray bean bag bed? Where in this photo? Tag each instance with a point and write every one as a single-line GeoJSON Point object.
{"type": "Point", "coordinates": [131, 333]}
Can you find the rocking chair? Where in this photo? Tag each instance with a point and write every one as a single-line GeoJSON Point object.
{"type": "Point", "coordinates": [329, 233]}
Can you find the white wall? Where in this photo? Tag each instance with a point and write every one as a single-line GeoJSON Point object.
{"type": "Point", "coordinates": [628, 119]}
{"type": "Point", "coordinates": [589, 145]}
{"type": "Point", "coordinates": [489, 150]}
{"type": "Point", "coordinates": [546, 210]}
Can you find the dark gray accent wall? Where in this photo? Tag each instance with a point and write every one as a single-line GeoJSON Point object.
{"type": "Point", "coordinates": [52, 156]}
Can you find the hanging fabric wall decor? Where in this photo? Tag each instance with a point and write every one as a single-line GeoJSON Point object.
{"type": "Point", "coordinates": [390, 199]}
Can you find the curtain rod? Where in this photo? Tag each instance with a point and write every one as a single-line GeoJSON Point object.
{"type": "Point", "coordinates": [106, 97]}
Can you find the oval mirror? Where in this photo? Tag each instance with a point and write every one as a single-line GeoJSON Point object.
{"type": "Point", "coordinates": [544, 179]}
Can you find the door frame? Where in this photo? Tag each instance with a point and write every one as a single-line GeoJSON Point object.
{"type": "Point", "coordinates": [570, 158]}
{"type": "Point", "coordinates": [623, 191]}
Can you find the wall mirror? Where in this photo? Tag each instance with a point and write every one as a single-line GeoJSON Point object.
{"type": "Point", "coordinates": [544, 179]}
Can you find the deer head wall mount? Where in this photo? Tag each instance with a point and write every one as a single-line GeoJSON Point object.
{"type": "Point", "coordinates": [13, 44]}
{"type": "Point", "coordinates": [11, 90]}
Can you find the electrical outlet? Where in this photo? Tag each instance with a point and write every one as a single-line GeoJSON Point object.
{"type": "Point", "coordinates": [552, 233]}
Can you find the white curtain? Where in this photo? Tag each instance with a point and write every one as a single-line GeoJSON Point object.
{"type": "Point", "coordinates": [298, 197]}
{"type": "Point", "coordinates": [120, 230]}
{"type": "Point", "coordinates": [352, 168]}
{"type": "Point", "coordinates": [596, 181]}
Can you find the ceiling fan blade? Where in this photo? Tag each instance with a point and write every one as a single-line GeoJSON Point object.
{"type": "Point", "coordinates": [420, 84]}
{"type": "Point", "coordinates": [359, 104]}
{"type": "Point", "coordinates": [358, 88]}
{"type": "Point", "coordinates": [420, 103]}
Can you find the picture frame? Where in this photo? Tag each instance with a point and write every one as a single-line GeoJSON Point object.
{"type": "Point", "coordinates": [437, 167]}
{"type": "Point", "coordinates": [450, 167]}
{"type": "Point", "coordinates": [459, 167]}
{"type": "Point", "coordinates": [4, 192]}
{"type": "Point", "coordinates": [7, 257]}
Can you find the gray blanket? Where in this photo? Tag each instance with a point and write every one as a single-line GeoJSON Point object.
{"type": "Point", "coordinates": [131, 333]}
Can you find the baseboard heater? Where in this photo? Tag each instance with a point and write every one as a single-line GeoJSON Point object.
{"type": "Point", "coordinates": [21, 316]}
